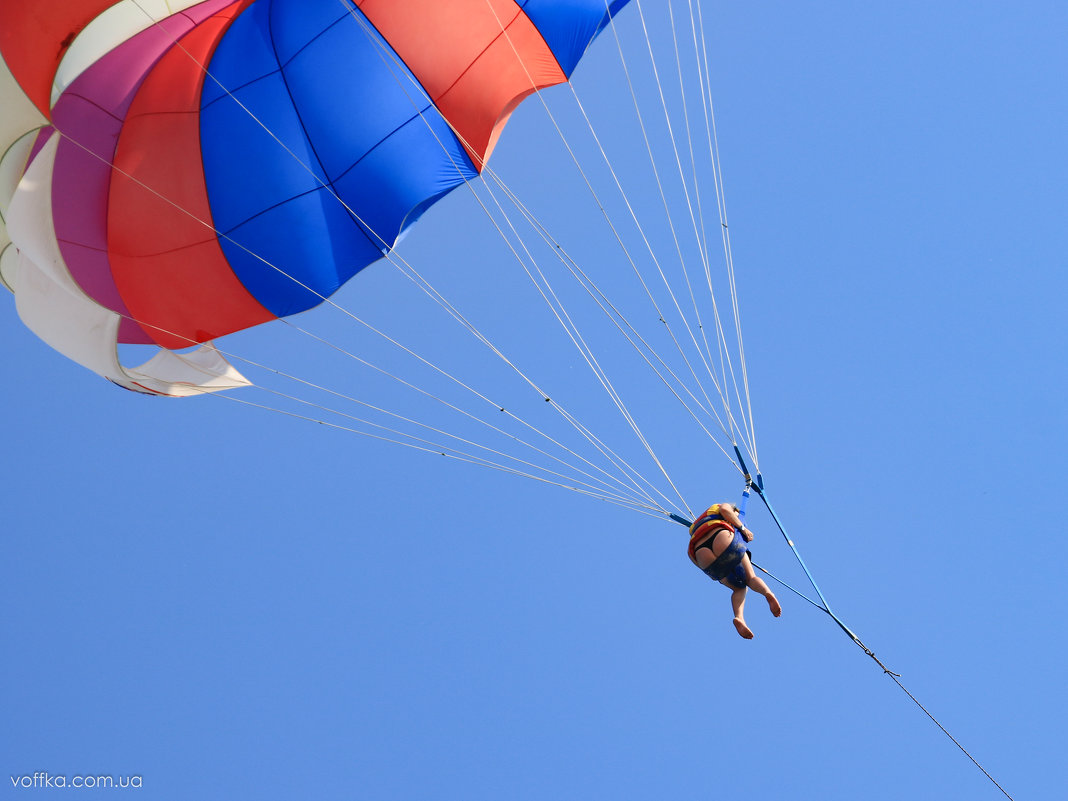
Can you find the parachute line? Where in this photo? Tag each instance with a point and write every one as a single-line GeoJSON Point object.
{"type": "Point", "coordinates": [619, 240]}
{"type": "Point", "coordinates": [615, 232]}
{"type": "Point", "coordinates": [446, 452]}
{"type": "Point", "coordinates": [602, 492]}
{"type": "Point", "coordinates": [721, 202]}
{"type": "Point", "coordinates": [726, 405]}
{"type": "Point", "coordinates": [566, 322]}
{"type": "Point", "coordinates": [721, 338]}
{"type": "Point", "coordinates": [619, 320]}
{"type": "Point", "coordinates": [478, 419]}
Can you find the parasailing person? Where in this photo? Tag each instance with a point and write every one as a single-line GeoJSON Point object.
{"type": "Point", "coordinates": [717, 546]}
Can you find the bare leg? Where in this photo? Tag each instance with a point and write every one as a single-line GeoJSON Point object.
{"type": "Point", "coordinates": [738, 605]}
{"type": "Point", "coordinates": [756, 584]}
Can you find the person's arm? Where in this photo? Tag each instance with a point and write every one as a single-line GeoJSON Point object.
{"type": "Point", "coordinates": [728, 513]}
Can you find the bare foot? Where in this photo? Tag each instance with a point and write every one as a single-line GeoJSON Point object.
{"type": "Point", "coordinates": [742, 628]}
{"type": "Point", "coordinates": [773, 604]}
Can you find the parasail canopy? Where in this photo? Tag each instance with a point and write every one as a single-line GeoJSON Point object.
{"type": "Point", "coordinates": [175, 172]}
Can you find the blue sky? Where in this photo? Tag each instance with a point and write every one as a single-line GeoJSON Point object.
{"type": "Point", "coordinates": [235, 603]}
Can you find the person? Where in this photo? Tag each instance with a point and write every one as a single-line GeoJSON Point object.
{"type": "Point", "coordinates": [717, 548]}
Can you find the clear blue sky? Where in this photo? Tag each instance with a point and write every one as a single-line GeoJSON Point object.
{"type": "Point", "coordinates": [233, 603]}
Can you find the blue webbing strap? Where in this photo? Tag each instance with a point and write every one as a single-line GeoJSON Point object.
{"type": "Point", "coordinates": [826, 606]}
{"type": "Point", "coordinates": [758, 485]}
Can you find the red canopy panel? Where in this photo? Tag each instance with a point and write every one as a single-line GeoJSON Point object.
{"type": "Point", "coordinates": [476, 59]}
{"type": "Point", "coordinates": [35, 35]}
{"type": "Point", "coordinates": [165, 263]}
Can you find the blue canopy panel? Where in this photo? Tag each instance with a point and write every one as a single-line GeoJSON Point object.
{"type": "Point", "coordinates": [368, 153]}
{"type": "Point", "coordinates": [569, 26]}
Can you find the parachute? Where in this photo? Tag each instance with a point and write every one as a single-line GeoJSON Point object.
{"type": "Point", "coordinates": [173, 172]}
